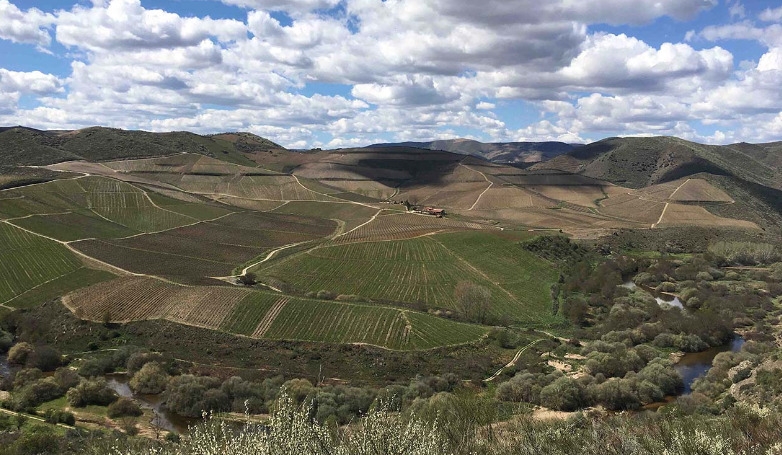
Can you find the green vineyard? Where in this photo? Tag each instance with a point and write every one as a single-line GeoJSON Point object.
{"type": "Point", "coordinates": [338, 322]}
{"type": "Point", "coordinates": [28, 261]}
{"type": "Point", "coordinates": [426, 271]}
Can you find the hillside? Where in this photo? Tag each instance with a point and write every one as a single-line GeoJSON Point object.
{"type": "Point", "coordinates": [21, 146]}
{"type": "Point", "coordinates": [637, 162]}
{"type": "Point", "coordinates": [498, 152]}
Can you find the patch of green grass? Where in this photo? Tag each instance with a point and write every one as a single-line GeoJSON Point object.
{"type": "Point", "coordinates": [60, 286]}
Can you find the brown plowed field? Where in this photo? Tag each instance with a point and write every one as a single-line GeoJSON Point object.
{"type": "Point", "coordinates": [135, 298]}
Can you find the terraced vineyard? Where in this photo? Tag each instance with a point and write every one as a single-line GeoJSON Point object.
{"type": "Point", "coordinates": [249, 312]}
{"type": "Point", "coordinates": [514, 269]}
{"type": "Point", "coordinates": [419, 270]}
{"type": "Point", "coordinates": [48, 290]}
{"type": "Point", "coordinates": [351, 214]}
{"type": "Point", "coordinates": [74, 226]}
{"type": "Point", "coordinates": [28, 261]}
{"type": "Point", "coordinates": [400, 226]}
{"type": "Point", "coordinates": [266, 315]}
{"type": "Point", "coordinates": [137, 298]}
{"type": "Point", "coordinates": [335, 322]}
{"type": "Point", "coordinates": [98, 207]}
{"type": "Point", "coordinates": [425, 271]}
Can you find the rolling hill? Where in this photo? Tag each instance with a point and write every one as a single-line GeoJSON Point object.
{"type": "Point", "coordinates": [177, 217]}
{"type": "Point", "coordinates": [750, 173]}
{"type": "Point", "coordinates": [641, 161]}
{"type": "Point", "coordinates": [498, 152]}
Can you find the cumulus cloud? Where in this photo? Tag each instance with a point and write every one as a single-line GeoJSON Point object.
{"type": "Point", "coordinates": [293, 6]}
{"type": "Point", "coordinates": [24, 26]}
{"type": "Point", "coordinates": [126, 25]}
{"type": "Point", "coordinates": [29, 82]}
{"type": "Point", "coordinates": [405, 69]}
{"type": "Point", "coordinates": [619, 61]}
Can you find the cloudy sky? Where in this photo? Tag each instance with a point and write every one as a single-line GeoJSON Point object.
{"type": "Point", "coordinates": [334, 73]}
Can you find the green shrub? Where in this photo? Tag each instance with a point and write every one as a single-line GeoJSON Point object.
{"type": "Point", "coordinates": [151, 379]}
{"type": "Point", "coordinates": [20, 352]}
{"type": "Point", "coordinates": [564, 394]}
{"type": "Point", "coordinates": [93, 391]}
{"type": "Point", "coordinates": [124, 407]}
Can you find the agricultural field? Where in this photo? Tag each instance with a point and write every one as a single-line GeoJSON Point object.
{"type": "Point", "coordinates": [424, 271]}
{"type": "Point", "coordinates": [400, 226]}
{"type": "Point", "coordinates": [352, 215]}
{"type": "Point", "coordinates": [77, 279]}
{"type": "Point", "coordinates": [192, 254]}
{"type": "Point", "coordinates": [458, 195]}
{"type": "Point", "coordinates": [249, 204]}
{"type": "Point", "coordinates": [28, 261]}
{"type": "Point", "coordinates": [687, 215]}
{"type": "Point", "coordinates": [336, 322]}
{"type": "Point", "coordinates": [502, 197]}
{"type": "Point", "coordinates": [382, 189]}
{"type": "Point", "coordinates": [282, 188]}
{"type": "Point", "coordinates": [98, 207]}
{"type": "Point", "coordinates": [632, 207]}
{"type": "Point", "coordinates": [699, 190]}
{"type": "Point", "coordinates": [266, 315]}
{"type": "Point", "coordinates": [576, 194]}
{"type": "Point", "coordinates": [525, 277]}
{"type": "Point", "coordinates": [336, 171]}
{"type": "Point", "coordinates": [249, 313]}
{"type": "Point", "coordinates": [138, 298]}
{"type": "Point", "coordinates": [74, 226]}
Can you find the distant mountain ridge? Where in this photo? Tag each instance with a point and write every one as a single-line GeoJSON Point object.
{"type": "Point", "coordinates": [498, 152]}
{"type": "Point", "coordinates": [21, 146]}
{"type": "Point", "coordinates": [641, 161]}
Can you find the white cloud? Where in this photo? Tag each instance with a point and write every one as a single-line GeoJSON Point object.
{"type": "Point", "coordinates": [410, 69]}
{"type": "Point", "coordinates": [24, 26]}
{"type": "Point", "coordinates": [737, 10]}
{"type": "Point", "coordinates": [771, 15]}
{"type": "Point", "coordinates": [126, 25]}
{"type": "Point", "coordinates": [293, 6]}
{"type": "Point", "coordinates": [29, 82]}
{"type": "Point", "coordinates": [619, 61]}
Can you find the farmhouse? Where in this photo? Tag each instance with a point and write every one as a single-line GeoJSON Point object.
{"type": "Point", "coordinates": [433, 211]}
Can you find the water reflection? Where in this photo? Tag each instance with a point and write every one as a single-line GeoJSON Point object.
{"type": "Point", "coordinates": [695, 364]}
{"type": "Point", "coordinates": [167, 420]}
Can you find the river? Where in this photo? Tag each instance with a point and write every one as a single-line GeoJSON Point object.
{"type": "Point", "coordinates": [662, 299]}
{"type": "Point", "coordinates": [695, 364]}
{"type": "Point", "coordinates": [166, 419]}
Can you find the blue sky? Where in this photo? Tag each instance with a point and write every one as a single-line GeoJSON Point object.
{"type": "Point", "coordinates": [337, 73]}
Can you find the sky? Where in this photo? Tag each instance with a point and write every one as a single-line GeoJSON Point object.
{"type": "Point", "coordinates": [341, 73]}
